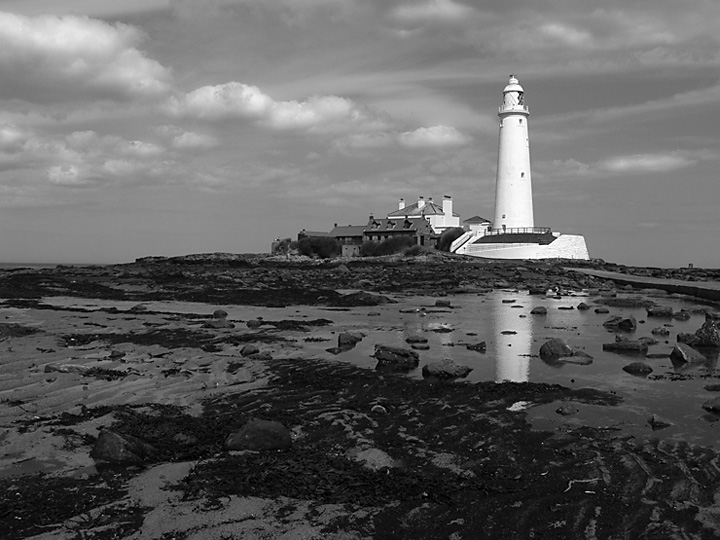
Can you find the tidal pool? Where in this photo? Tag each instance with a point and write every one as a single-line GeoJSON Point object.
{"type": "Point", "coordinates": [513, 337]}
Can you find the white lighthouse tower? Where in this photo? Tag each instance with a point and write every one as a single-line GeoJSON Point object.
{"type": "Point", "coordinates": [513, 186]}
{"type": "Point", "coordinates": [513, 234]}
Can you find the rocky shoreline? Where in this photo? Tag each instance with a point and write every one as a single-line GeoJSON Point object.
{"type": "Point", "coordinates": [117, 417]}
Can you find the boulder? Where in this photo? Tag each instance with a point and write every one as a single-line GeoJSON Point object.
{"type": "Point", "coordinates": [249, 350]}
{"type": "Point", "coordinates": [660, 331]}
{"type": "Point", "coordinates": [443, 304]}
{"type": "Point", "coordinates": [659, 311]}
{"type": "Point", "coordinates": [445, 369]}
{"type": "Point", "coordinates": [372, 458]}
{"type": "Point", "coordinates": [626, 345]}
{"type": "Point", "coordinates": [582, 306]}
{"type": "Point", "coordinates": [539, 310]}
{"type": "Point", "coordinates": [114, 447]}
{"type": "Point", "coordinates": [566, 409]}
{"type": "Point", "coordinates": [416, 339]}
{"type": "Point", "coordinates": [682, 315]}
{"type": "Point", "coordinates": [478, 347]}
{"type": "Point", "coordinates": [602, 310]}
{"type": "Point", "coordinates": [638, 368]}
{"type": "Point", "coordinates": [259, 434]}
{"type": "Point", "coordinates": [254, 323]}
{"type": "Point", "coordinates": [220, 314]}
{"type": "Point", "coordinates": [658, 422]}
{"type": "Point", "coordinates": [347, 340]}
{"type": "Point", "coordinates": [554, 348]}
{"type": "Point", "coordinates": [708, 335]}
{"type": "Point", "coordinates": [682, 352]}
{"type": "Point", "coordinates": [396, 357]}
{"type": "Point", "coordinates": [621, 323]}
{"type": "Point", "coordinates": [713, 405]}
{"type": "Point", "coordinates": [361, 298]}
{"type": "Point", "coordinates": [218, 323]}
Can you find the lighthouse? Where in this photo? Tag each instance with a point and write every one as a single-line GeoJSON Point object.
{"type": "Point", "coordinates": [513, 185]}
{"type": "Point", "coordinates": [513, 234]}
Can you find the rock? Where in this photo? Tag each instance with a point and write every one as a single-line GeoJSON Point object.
{"type": "Point", "coordinates": [659, 311]}
{"type": "Point", "coordinates": [254, 323]}
{"type": "Point", "coordinates": [416, 339]}
{"type": "Point", "coordinates": [116, 355]}
{"type": "Point", "coordinates": [638, 368]}
{"type": "Point", "coordinates": [682, 315]}
{"type": "Point", "coordinates": [621, 323]}
{"type": "Point", "coordinates": [657, 422]}
{"type": "Point", "coordinates": [582, 306]}
{"type": "Point", "coordinates": [220, 314]}
{"type": "Point", "coordinates": [378, 409]}
{"type": "Point", "coordinates": [713, 405]}
{"type": "Point", "coordinates": [361, 298]}
{"type": "Point", "coordinates": [443, 303]}
{"type": "Point", "coordinates": [554, 348]}
{"type": "Point", "coordinates": [602, 310]}
{"type": "Point", "coordinates": [372, 458]}
{"type": "Point", "coordinates": [566, 409]}
{"type": "Point", "coordinates": [342, 269]}
{"type": "Point", "coordinates": [539, 310]}
{"type": "Point", "coordinates": [626, 345]}
{"type": "Point", "coordinates": [121, 449]}
{"type": "Point", "coordinates": [420, 346]}
{"type": "Point", "coordinates": [396, 357]}
{"type": "Point", "coordinates": [259, 434]}
{"type": "Point", "coordinates": [347, 340]}
{"type": "Point", "coordinates": [712, 387]}
{"type": "Point", "coordinates": [682, 352]}
{"type": "Point", "coordinates": [566, 308]}
{"type": "Point", "coordinates": [708, 335]}
{"type": "Point", "coordinates": [218, 323]}
{"type": "Point", "coordinates": [66, 368]}
{"type": "Point", "coordinates": [660, 331]}
{"type": "Point", "coordinates": [649, 340]}
{"type": "Point", "coordinates": [445, 369]}
{"type": "Point", "coordinates": [265, 355]}
{"type": "Point", "coordinates": [249, 350]}
{"type": "Point", "coordinates": [478, 347]}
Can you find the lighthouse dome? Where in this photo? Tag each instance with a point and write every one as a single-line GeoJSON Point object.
{"type": "Point", "coordinates": [513, 85]}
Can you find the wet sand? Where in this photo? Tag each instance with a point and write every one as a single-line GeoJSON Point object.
{"type": "Point", "coordinates": [374, 454]}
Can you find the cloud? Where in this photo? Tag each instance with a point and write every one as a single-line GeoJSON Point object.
{"type": "Point", "coordinates": [50, 59]}
{"type": "Point", "coordinates": [431, 10]}
{"type": "Point", "coordinates": [436, 136]}
{"type": "Point", "coordinates": [234, 100]}
{"type": "Point", "coordinates": [644, 163]}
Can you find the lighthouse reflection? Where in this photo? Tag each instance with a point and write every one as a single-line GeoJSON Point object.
{"type": "Point", "coordinates": [512, 337]}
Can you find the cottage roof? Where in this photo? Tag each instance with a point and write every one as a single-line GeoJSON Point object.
{"type": "Point", "coordinates": [347, 230]}
{"type": "Point", "coordinates": [476, 219]}
{"type": "Point", "coordinates": [414, 210]}
{"type": "Point", "coordinates": [410, 224]}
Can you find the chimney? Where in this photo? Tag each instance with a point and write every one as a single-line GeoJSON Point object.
{"type": "Point", "coordinates": [421, 202]}
{"type": "Point", "coordinates": [447, 207]}
{"type": "Point", "coordinates": [336, 225]}
{"type": "Point", "coordinates": [371, 217]}
{"type": "Point", "coordinates": [429, 199]}
{"type": "Point", "coordinates": [401, 204]}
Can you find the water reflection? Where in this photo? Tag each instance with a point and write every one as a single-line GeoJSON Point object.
{"type": "Point", "coordinates": [512, 336]}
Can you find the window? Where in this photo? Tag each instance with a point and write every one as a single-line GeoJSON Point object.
{"type": "Point", "coordinates": [522, 175]}
{"type": "Point", "coordinates": [521, 121]}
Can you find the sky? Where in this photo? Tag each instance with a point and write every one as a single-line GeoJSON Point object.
{"type": "Point", "coordinates": [156, 127]}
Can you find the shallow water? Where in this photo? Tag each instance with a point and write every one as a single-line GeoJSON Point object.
{"type": "Point", "coordinates": [513, 336]}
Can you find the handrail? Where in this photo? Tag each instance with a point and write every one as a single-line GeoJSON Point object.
{"type": "Point", "coordinates": [519, 230]}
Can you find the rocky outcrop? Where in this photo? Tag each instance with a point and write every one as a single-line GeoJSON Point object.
{"type": "Point", "coordinates": [259, 434]}
{"type": "Point", "coordinates": [638, 368]}
{"type": "Point", "coordinates": [621, 323]}
{"type": "Point", "coordinates": [396, 357]}
{"type": "Point", "coordinates": [445, 369]}
{"type": "Point", "coordinates": [626, 346]}
{"type": "Point", "coordinates": [121, 449]}
{"type": "Point", "coordinates": [682, 352]}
